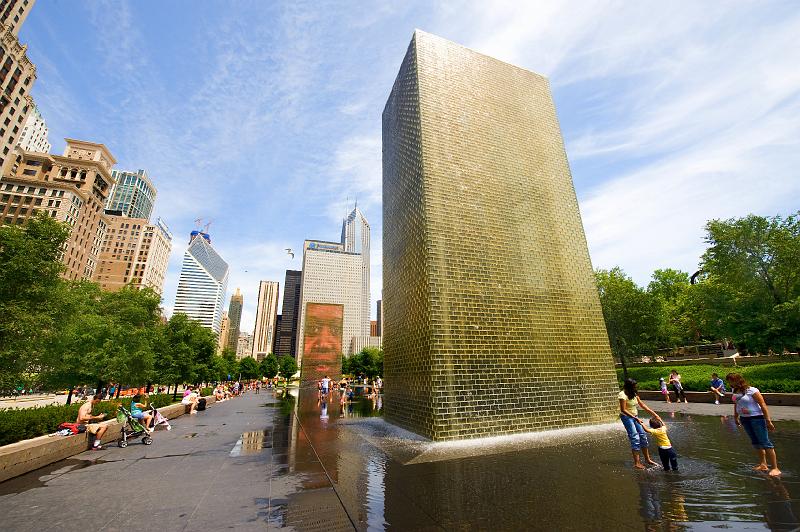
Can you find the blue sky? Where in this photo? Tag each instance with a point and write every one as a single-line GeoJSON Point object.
{"type": "Point", "coordinates": [264, 117]}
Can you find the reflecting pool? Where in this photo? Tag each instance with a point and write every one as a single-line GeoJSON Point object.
{"type": "Point", "coordinates": [386, 478]}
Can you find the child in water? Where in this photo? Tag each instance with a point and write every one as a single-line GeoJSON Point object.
{"type": "Point", "coordinates": [664, 390]}
{"type": "Point", "coordinates": [665, 450]}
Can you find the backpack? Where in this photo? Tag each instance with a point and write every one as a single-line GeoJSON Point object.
{"type": "Point", "coordinates": [74, 428]}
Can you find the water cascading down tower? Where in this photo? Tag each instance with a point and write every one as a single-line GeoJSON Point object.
{"type": "Point", "coordinates": [492, 320]}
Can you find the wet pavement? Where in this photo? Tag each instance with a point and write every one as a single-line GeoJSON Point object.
{"type": "Point", "coordinates": [264, 462]}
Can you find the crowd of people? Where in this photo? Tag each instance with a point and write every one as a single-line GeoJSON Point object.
{"type": "Point", "coordinates": [750, 411]}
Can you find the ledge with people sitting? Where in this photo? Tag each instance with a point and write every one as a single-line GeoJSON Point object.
{"type": "Point", "coordinates": [27, 455]}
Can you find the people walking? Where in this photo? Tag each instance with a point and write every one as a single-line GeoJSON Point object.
{"type": "Point", "coordinates": [751, 412]}
{"type": "Point", "coordinates": [629, 404]}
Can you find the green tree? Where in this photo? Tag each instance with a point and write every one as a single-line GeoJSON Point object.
{"type": "Point", "coordinates": [68, 360]}
{"type": "Point", "coordinates": [178, 346]}
{"type": "Point", "coordinates": [631, 315]}
{"type": "Point", "coordinates": [269, 366]}
{"type": "Point", "coordinates": [368, 362]}
{"type": "Point", "coordinates": [248, 368]}
{"type": "Point", "coordinates": [752, 266]}
{"type": "Point", "coordinates": [131, 318]}
{"type": "Point", "coordinates": [30, 271]}
{"type": "Point", "coordinates": [671, 290]}
{"type": "Point", "coordinates": [287, 367]}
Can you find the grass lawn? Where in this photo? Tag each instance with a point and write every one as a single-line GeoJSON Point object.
{"type": "Point", "coordinates": [779, 377]}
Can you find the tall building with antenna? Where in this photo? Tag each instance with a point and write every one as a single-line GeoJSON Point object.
{"type": "Point", "coordinates": [202, 283]}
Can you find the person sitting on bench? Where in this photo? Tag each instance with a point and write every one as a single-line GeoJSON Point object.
{"type": "Point", "coordinates": [85, 417]}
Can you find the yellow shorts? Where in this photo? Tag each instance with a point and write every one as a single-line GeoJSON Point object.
{"type": "Point", "coordinates": [92, 428]}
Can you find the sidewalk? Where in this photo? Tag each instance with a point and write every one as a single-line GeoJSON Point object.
{"type": "Point", "coordinates": [782, 413]}
{"type": "Point", "coordinates": [224, 468]}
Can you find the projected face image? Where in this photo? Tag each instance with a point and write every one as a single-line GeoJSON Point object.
{"type": "Point", "coordinates": [322, 343]}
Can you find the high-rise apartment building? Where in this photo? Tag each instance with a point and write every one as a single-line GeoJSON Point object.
{"type": "Point", "coordinates": [337, 273]}
{"type": "Point", "coordinates": [34, 133]}
{"type": "Point", "coordinates": [71, 188]}
{"type": "Point", "coordinates": [380, 318]}
{"type": "Point", "coordinates": [287, 342]}
{"type": "Point", "coordinates": [235, 317]}
{"type": "Point", "coordinates": [244, 346]}
{"type": "Point", "coordinates": [14, 12]}
{"type": "Point", "coordinates": [266, 317]}
{"type": "Point", "coordinates": [133, 194]}
{"type": "Point", "coordinates": [17, 75]}
{"type": "Point", "coordinates": [276, 340]}
{"type": "Point", "coordinates": [202, 283]}
{"type": "Point", "coordinates": [486, 271]}
{"type": "Point", "coordinates": [134, 252]}
{"type": "Point", "coordinates": [355, 237]}
{"type": "Point", "coordinates": [222, 338]}
{"type": "Point", "coordinates": [331, 276]}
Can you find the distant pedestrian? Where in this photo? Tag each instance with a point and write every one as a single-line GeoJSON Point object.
{"type": "Point", "coordinates": [717, 388]}
{"type": "Point", "coordinates": [751, 412]}
{"type": "Point", "coordinates": [675, 380]}
{"type": "Point", "coordinates": [664, 391]}
{"type": "Point", "coordinates": [629, 403]}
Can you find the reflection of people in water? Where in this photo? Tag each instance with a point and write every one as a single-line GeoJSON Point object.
{"type": "Point", "coordinates": [323, 411]}
{"type": "Point", "coordinates": [779, 513]}
{"type": "Point", "coordinates": [660, 516]}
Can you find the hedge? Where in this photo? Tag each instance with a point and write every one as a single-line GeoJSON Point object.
{"type": "Point", "coordinates": [781, 377]}
{"type": "Point", "coordinates": [23, 423]}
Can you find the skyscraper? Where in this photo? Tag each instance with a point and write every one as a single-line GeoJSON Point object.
{"type": "Point", "coordinates": [70, 188]}
{"type": "Point", "coordinates": [235, 317]}
{"type": "Point", "coordinates": [14, 12]}
{"type": "Point", "coordinates": [380, 317]}
{"type": "Point", "coordinates": [222, 337]}
{"type": "Point", "coordinates": [287, 343]}
{"type": "Point", "coordinates": [487, 278]}
{"type": "Point", "coordinates": [202, 283]}
{"type": "Point", "coordinates": [266, 317]}
{"type": "Point", "coordinates": [133, 194]}
{"type": "Point", "coordinates": [17, 75]}
{"type": "Point", "coordinates": [335, 274]}
{"type": "Point", "coordinates": [355, 237]}
{"type": "Point", "coordinates": [34, 134]}
{"type": "Point", "coordinates": [134, 252]}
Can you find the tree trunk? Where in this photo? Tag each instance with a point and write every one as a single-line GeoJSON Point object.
{"type": "Point", "coordinates": [99, 389]}
{"type": "Point", "coordinates": [169, 387]}
{"type": "Point", "coordinates": [148, 386]}
{"type": "Point", "coordinates": [119, 389]}
{"type": "Point", "coordinates": [175, 393]}
{"type": "Point", "coordinates": [624, 367]}
{"type": "Point", "coordinates": [69, 396]}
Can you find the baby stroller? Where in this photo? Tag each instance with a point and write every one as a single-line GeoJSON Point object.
{"type": "Point", "coordinates": [158, 419]}
{"type": "Point", "coordinates": [131, 428]}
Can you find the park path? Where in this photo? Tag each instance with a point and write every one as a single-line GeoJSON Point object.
{"type": "Point", "coordinates": [225, 468]}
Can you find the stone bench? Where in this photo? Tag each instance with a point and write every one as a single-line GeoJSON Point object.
{"type": "Point", "coordinates": [774, 399]}
{"type": "Point", "coordinates": [26, 455]}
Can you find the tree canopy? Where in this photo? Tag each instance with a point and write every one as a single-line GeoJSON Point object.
{"type": "Point", "coordinates": [747, 290]}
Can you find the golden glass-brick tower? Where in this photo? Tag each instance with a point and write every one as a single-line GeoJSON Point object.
{"type": "Point", "coordinates": [492, 321]}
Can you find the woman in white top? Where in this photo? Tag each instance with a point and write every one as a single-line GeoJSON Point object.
{"type": "Point", "coordinates": [750, 411]}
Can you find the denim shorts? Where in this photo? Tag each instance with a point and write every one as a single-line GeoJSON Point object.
{"type": "Point", "coordinates": [756, 428]}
